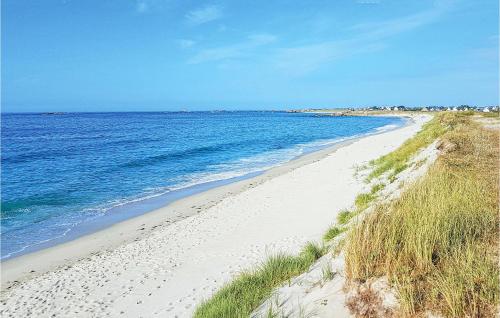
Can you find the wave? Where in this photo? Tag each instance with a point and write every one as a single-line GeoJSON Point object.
{"type": "Point", "coordinates": [180, 154]}
{"type": "Point", "coordinates": [240, 167]}
{"type": "Point", "coordinates": [386, 128]}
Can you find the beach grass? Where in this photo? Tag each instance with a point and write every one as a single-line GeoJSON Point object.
{"type": "Point", "coordinates": [438, 242]}
{"type": "Point", "coordinates": [376, 188]}
{"type": "Point", "coordinates": [363, 200]}
{"type": "Point", "coordinates": [333, 232]}
{"type": "Point", "coordinates": [490, 114]}
{"type": "Point", "coordinates": [345, 216]}
{"type": "Point", "coordinates": [246, 292]}
{"type": "Point", "coordinates": [397, 160]}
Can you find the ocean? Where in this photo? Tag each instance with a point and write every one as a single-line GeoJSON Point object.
{"type": "Point", "coordinates": [66, 175]}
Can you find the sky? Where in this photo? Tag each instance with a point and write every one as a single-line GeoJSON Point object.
{"type": "Point", "coordinates": [147, 55]}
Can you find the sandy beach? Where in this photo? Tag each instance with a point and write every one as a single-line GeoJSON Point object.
{"type": "Point", "coordinates": [165, 262]}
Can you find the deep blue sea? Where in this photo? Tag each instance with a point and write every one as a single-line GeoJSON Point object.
{"type": "Point", "coordinates": [65, 175]}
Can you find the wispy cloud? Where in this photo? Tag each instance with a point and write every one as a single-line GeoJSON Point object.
{"type": "Point", "coordinates": [142, 6]}
{"type": "Point", "coordinates": [383, 29]}
{"type": "Point", "coordinates": [239, 50]}
{"type": "Point", "coordinates": [186, 43]}
{"type": "Point", "coordinates": [486, 53]}
{"type": "Point", "coordinates": [304, 59]}
{"type": "Point", "coordinates": [204, 15]}
{"type": "Point", "coordinates": [367, 37]}
{"type": "Point", "coordinates": [368, 1]}
{"type": "Point", "coordinates": [146, 6]}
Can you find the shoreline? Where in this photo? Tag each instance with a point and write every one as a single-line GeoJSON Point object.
{"type": "Point", "coordinates": [153, 264]}
{"type": "Point", "coordinates": [27, 265]}
{"type": "Point", "coordinates": [140, 206]}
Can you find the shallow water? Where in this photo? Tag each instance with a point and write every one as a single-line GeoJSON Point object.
{"type": "Point", "coordinates": [64, 173]}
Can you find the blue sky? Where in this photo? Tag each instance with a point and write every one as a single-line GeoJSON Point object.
{"type": "Point", "coordinates": [111, 55]}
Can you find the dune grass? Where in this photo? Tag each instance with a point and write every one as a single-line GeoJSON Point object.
{"type": "Point", "coordinates": [345, 216]}
{"type": "Point", "coordinates": [333, 232]}
{"type": "Point", "coordinates": [363, 200]}
{"type": "Point", "coordinates": [244, 294]}
{"type": "Point", "coordinates": [397, 160]}
{"type": "Point", "coordinates": [437, 243]}
{"type": "Point", "coordinates": [376, 188]}
{"type": "Point", "coordinates": [490, 114]}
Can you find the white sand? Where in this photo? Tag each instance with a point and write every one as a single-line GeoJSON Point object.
{"type": "Point", "coordinates": [150, 267]}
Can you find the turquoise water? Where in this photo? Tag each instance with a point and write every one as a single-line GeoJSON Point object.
{"type": "Point", "coordinates": [65, 175]}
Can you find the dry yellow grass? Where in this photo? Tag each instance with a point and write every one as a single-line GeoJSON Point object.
{"type": "Point", "coordinates": [437, 243]}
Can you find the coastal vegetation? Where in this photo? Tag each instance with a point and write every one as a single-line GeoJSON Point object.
{"type": "Point", "coordinates": [333, 232]}
{"type": "Point", "coordinates": [397, 161]}
{"type": "Point", "coordinates": [438, 242]}
{"type": "Point", "coordinates": [490, 114]}
{"type": "Point", "coordinates": [345, 216]}
{"type": "Point", "coordinates": [240, 297]}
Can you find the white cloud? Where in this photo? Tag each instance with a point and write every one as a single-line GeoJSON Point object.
{"type": "Point", "coordinates": [204, 15]}
{"type": "Point", "coordinates": [261, 38]}
{"type": "Point", "coordinates": [367, 37]}
{"type": "Point", "coordinates": [147, 6]}
{"type": "Point", "coordinates": [486, 53]}
{"type": "Point", "coordinates": [238, 50]}
{"type": "Point", "coordinates": [391, 27]}
{"type": "Point", "coordinates": [186, 43]}
{"type": "Point", "coordinates": [304, 59]}
{"type": "Point", "coordinates": [142, 6]}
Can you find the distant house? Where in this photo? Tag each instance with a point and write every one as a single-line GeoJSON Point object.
{"type": "Point", "coordinates": [455, 109]}
{"type": "Point", "coordinates": [424, 109]}
{"type": "Point", "coordinates": [448, 109]}
{"type": "Point", "coordinates": [486, 110]}
{"type": "Point", "coordinates": [387, 108]}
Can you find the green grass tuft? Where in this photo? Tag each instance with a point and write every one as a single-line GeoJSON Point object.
{"type": "Point", "coordinates": [377, 187]}
{"type": "Point", "coordinates": [344, 216]}
{"type": "Point", "coordinates": [397, 160]}
{"type": "Point", "coordinates": [240, 297]}
{"type": "Point", "coordinates": [363, 200]}
{"type": "Point", "coordinates": [312, 252]}
{"type": "Point", "coordinates": [327, 273]}
{"type": "Point", "coordinates": [333, 232]}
